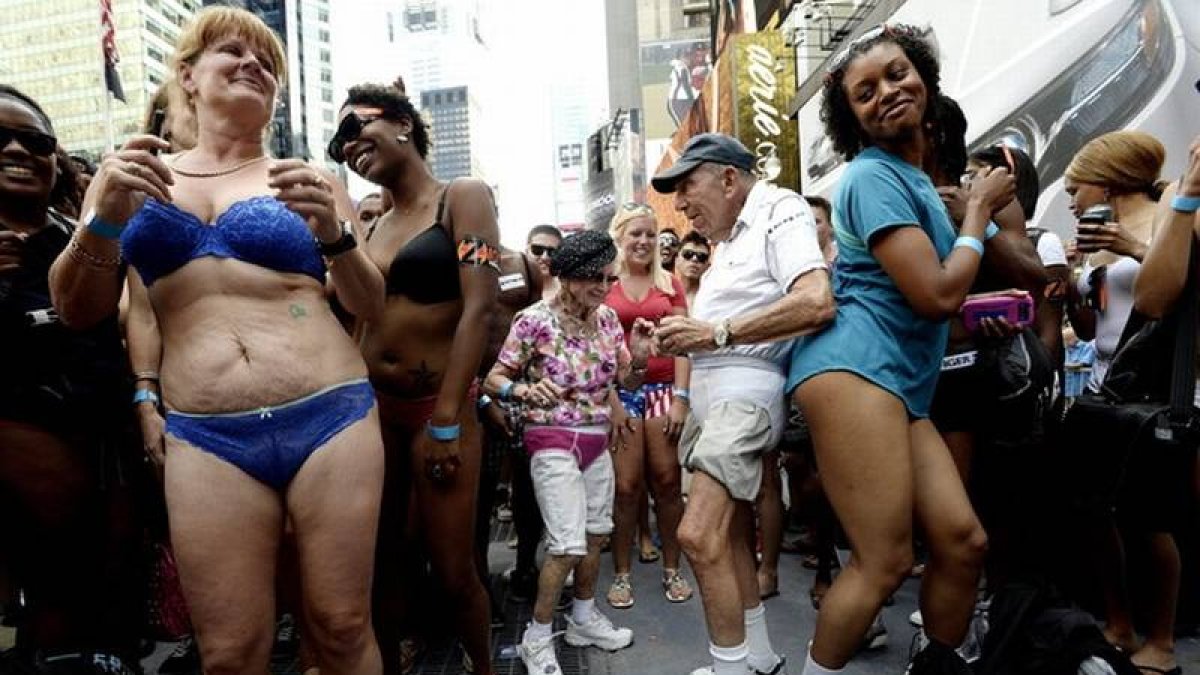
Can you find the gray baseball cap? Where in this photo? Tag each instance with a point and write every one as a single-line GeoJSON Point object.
{"type": "Point", "coordinates": [715, 148]}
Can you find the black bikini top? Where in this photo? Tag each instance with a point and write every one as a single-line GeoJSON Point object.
{"type": "Point", "coordinates": [425, 270]}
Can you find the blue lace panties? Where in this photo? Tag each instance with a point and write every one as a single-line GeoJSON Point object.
{"type": "Point", "coordinates": [272, 443]}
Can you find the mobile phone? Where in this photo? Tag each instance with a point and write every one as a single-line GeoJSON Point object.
{"type": "Point", "coordinates": [157, 122]}
{"type": "Point", "coordinates": [1097, 214]}
{"type": "Point", "coordinates": [1016, 309]}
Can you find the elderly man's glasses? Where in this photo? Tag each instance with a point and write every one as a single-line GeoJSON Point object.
{"type": "Point", "coordinates": [34, 142]}
{"type": "Point", "coordinates": [350, 128]}
{"type": "Point", "coordinates": [695, 256]}
{"type": "Point", "coordinates": [539, 250]}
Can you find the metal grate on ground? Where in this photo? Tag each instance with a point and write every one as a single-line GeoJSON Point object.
{"type": "Point", "coordinates": [445, 657]}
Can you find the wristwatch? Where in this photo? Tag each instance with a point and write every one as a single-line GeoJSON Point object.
{"type": "Point", "coordinates": [722, 335]}
{"type": "Point", "coordinates": [344, 243]}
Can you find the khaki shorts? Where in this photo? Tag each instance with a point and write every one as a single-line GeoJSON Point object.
{"type": "Point", "coordinates": [729, 446]}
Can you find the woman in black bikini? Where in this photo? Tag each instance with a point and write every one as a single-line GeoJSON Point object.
{"type": "Point", "coordinates": [423, 354]}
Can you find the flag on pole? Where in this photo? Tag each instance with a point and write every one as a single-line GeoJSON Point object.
{"type": "Point", "coordinates": [108, 43]}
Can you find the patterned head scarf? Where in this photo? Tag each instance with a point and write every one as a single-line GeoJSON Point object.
{"type": "Point", "coordinates": [583, 255]}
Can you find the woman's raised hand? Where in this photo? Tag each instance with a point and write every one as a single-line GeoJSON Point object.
{"type": "Point", "coordinates": [304, 191]}
{"type": "Point", "coordinates": [129, 175]}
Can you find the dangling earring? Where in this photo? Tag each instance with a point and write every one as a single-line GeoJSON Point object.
{"type": "Point", "coordinates": [401, 138]}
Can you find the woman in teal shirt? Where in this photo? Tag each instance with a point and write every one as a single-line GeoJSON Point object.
{"type": "Point", "coordinates": [866, 383]}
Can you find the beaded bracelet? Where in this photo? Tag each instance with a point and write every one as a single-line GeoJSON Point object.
{"type": "Point", "coordinates": [82, 255]}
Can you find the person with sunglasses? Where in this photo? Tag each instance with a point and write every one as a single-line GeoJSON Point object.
{"type": "Point", "coordinates": [865, 384]}
{"type": "Point", "coordinates": [668, 246]}
{"type": "Point", "coordinates": [647, 419]}
{"type": "Point", "coordinates": [541, 243]}
{"type": "Point", "coordinates": [438, 245]}
{"type": "Point", "coordinates": [65, 447]}
{"type": "Point", "coordinates": [692, 263]}
{"type": "Point", "coordinates": [768, 283]}
{"type": "Point", "coordinates": [560, 363]}
{"type": "Point", "coordinates": [269, 416]}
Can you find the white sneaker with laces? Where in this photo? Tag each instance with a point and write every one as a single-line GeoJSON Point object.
{"type": "Point", "coordinates": [598, 632]}
{"type": "Point", "coordinates": [539, 657]}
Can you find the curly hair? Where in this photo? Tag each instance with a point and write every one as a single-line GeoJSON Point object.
{"type": "Point", "coordinates": [396, 106]}
{"type": "Point", "coordinates": [841, 125]}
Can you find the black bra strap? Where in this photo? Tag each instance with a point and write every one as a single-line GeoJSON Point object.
{"type": "Point", "coordinates": [442, 203]}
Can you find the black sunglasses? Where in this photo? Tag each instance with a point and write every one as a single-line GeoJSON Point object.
{"type": "Point", "coordinates": [349, 129]}
{"type": "Point", "coordinates": [35, 142]}
{"type": "Point", "coordinates": [539, 250]}
{"type": "Point", "coordinates": [695, 256]}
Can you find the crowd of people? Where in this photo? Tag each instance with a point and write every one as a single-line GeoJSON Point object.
{"type": "Point", "coordinates": [232, 395]}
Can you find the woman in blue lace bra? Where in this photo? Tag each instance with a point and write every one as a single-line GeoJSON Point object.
{"type": "Point", "coordinates": [269, 415]}
{"type": "Point", "coordinates": [437, 244]}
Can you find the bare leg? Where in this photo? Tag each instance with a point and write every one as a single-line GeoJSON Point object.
{"type": "Point", "coordinates": [588, 568]}
{"type": "Point", "coordinates": [705, 536]}
{"type": "Point", "coordinates": [334, 502]}
{"type": "Point", "coordinates": [861, 437]}
{"type": "Point", "coordinates": [555, 569]}
{"type": "Point", "coordinates": [225, 527]}
{"type": "Point", "coordinates": [628, 463]}
{"type": "Point", "coordinates": [1163, 587]}
{"type": "Point", "coordinates": [662, 462]}
{"type": "Point", "coordinates": [770, 523]}
{"type": "Point", "coordinates": [955, 538]}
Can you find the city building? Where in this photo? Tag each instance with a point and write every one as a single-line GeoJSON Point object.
{"type": "Point", "coordinates": [306, 114]}
{"type": "Point", "coordinates": [450, 113]}
{"type": "Point", "coordinates": [52, 53]}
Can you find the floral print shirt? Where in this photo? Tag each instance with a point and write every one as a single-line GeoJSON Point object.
{"type": "Point", "coordinates": [584, 366]}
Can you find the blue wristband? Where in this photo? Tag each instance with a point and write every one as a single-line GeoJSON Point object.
{"type": "Point", "coordinates": [143, 396]}
{"type": "Point", "coordinates": [449, 433]}
{"type": "Point", "coordinates": [681, 393]}
{"type": "Point", "coordinates": [992, 230]}
{"type": "Point", "coordinates": [1185, 204]}
{"type": "Point", "coordinates": [971, 243]}
{"type": "Point", "coordinates": [102, 229]}
{"type": "Point", "coordinates": [506, 390]}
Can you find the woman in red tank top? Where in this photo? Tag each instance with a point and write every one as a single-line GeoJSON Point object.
{"type": "Point", "coordinates": [648, 420]}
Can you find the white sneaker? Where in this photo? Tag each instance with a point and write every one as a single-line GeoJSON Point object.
{"type": "Point", "coordinates": [876, 636]}
{"type": "Point", "coordinates": [916, 619]}
{"type": "Point", "coordinates": [539, 657]}
{"type": "Point", "coordinates": [598, 632]}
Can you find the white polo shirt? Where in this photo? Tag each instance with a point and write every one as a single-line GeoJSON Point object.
{"type": "Point", "coordinates": [773, 242]}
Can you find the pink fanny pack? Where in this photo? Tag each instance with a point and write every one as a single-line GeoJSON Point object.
{"type": "Point", "coordinates": [585, 446]}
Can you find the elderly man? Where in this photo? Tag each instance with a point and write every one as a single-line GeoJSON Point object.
{"type": "Point", "coordinates": [768, 283]}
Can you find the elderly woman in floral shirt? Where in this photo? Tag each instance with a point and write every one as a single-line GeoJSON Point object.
{"type": "Point", "coordinates": [561, 359]}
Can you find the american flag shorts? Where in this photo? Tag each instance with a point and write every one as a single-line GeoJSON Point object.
{"type": "Point", "coordinates": [647, 401]}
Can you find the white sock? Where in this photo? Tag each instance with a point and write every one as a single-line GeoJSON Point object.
{"type": "Point", "coordinates": [729, 660]}
{"type": "Point", "coordinates": [581, 610]}
{"type": "Point", "coordinates": [813, 668]}
{"type": "Point", "coordinates": [538, 631]}
{"type": "Point", "coordinates": [761, 656]}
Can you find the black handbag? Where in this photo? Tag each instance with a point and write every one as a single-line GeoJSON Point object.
{"type": "Point", "coordinates": [1142, 426]}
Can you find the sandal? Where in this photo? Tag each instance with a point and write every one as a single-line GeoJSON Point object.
{"type": "Point", "coordinates": [620, 594]}
{"type": "Point", "coordinates": [676, 588]}
{"type": "Point", "coordinates": [411, 651]}
{"type": "Point", "coordinates": [648, 555]}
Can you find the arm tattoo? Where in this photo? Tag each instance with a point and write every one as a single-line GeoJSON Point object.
{"type": "Point", "coordinates": [477, 252]}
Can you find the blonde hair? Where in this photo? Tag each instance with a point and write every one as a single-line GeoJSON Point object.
{"type": "Point", "coordinates": [1124, 162]}
{"type": "Point", "coordinates": [210, 25]}
{"type": "Point", "coordinates": [626, 214]}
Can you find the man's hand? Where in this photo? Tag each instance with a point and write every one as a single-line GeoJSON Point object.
{"type": "Point", "coordinates": [683, 335]}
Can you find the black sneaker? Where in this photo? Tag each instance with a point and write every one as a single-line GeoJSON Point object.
{"type": "Point", "coordinates": [183, 660]}
{"type": "Point", "coordinates": [522, 585]}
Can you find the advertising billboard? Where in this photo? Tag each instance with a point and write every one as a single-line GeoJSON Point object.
{"type": "Point", "coordinates": [764, 75]}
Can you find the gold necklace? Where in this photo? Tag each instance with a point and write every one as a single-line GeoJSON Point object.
{"type": "Point", "coordinates": [214, 174]}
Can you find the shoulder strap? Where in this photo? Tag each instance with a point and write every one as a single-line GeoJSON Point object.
{"type": "Point", "coordinates": [1183, 372]}
{"type": "Point", "coordinates": [442, 204]}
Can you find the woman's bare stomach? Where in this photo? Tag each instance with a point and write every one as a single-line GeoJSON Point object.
{"type": "Point", "coordinates": [408, 350]}
{"type": "Point", "coordinates": [254, 338]}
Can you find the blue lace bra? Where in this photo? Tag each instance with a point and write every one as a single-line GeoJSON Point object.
{"type": "Point", "coordinates": [161, 238]}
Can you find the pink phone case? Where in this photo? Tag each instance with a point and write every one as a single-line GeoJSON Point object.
{"type": "Point", "coordinates": [1018, 310]}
